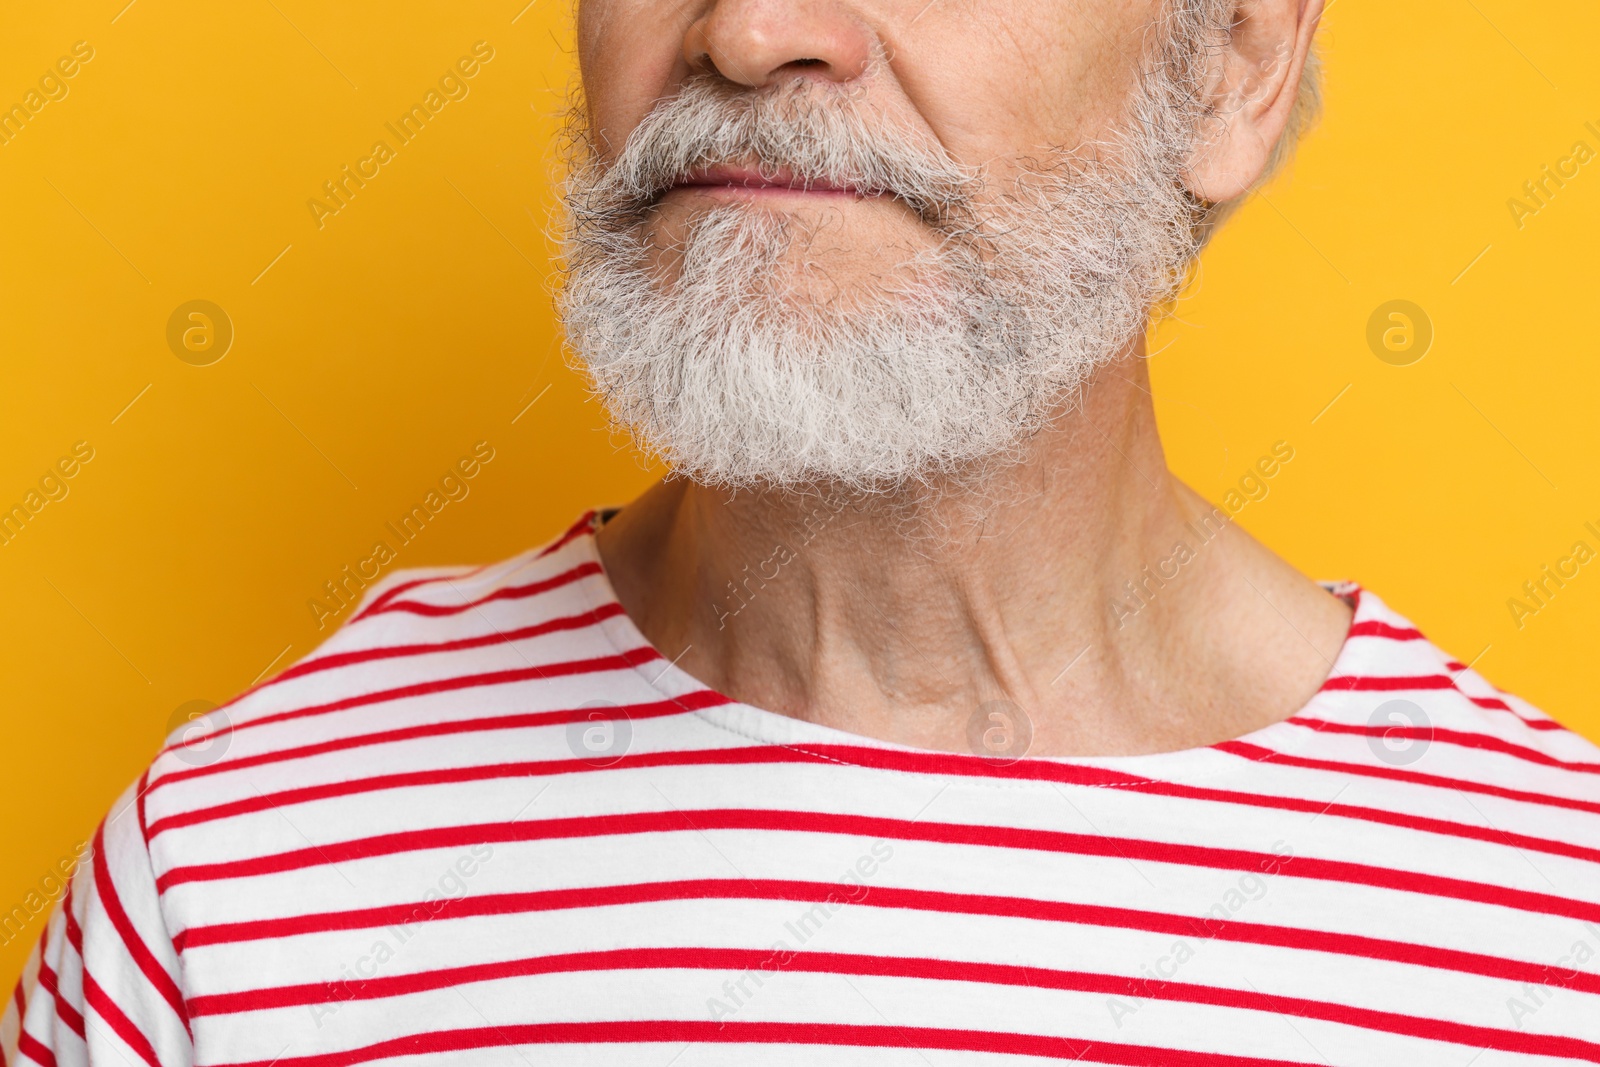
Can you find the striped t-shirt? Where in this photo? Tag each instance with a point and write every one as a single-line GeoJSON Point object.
{"type": "Point", "coordinates": [487, 823]}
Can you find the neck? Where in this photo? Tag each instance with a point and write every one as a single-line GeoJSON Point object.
{"type": "Point", "coordinates": [1083, 594]}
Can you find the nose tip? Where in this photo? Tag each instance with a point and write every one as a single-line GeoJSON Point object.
{"type": "Point", "coordinates": [759, 42]}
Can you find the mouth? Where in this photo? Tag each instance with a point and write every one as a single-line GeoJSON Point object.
{"type": "Point", "coordinates": [735, 182]}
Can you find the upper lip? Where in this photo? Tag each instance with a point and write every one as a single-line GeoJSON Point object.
{"type": "Point", "coordinates": [754, 177]}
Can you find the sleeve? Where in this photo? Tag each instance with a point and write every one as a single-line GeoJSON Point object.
{"type": "Point", "coordinates": [104, 984]}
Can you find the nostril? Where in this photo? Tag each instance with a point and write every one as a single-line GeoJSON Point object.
{"type": "Point", "coordinates": [807, 63]}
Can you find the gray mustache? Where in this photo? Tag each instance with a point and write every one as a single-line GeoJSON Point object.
{"type": "Point", "coordinates": [821, 135]}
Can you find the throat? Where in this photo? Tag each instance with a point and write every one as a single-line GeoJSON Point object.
{"type": "Point", "coordinates": [941, 624]}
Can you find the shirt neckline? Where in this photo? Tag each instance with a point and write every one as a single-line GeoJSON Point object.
{"type": "Point", "coordinates": [763, 726]}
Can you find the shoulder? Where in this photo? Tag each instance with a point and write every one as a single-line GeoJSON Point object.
{"type": "Point", "coordinates": [422, 612]}
{"type": "Point", "coordinates": [424, 648]}
{"type": "Point", "coordinates": [1423, 712]}
{"type": "Point", "coordinates": [435, 602]}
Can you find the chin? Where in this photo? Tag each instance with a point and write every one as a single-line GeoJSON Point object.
{"type": "Point", "coordinates": [811, 255]}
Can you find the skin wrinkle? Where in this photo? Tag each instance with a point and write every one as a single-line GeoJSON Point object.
{"type": "Point", "coordinates": [977, 568]}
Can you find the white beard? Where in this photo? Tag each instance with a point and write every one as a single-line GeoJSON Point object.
{"type": "Point", "coordinates": [942, 370]}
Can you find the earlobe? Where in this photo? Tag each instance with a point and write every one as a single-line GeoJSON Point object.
{"type": "Point", "coordinates": [1256, 94]}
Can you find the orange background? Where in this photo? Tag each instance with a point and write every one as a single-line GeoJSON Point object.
{"type": "Point", "coordinates": [371, 353]}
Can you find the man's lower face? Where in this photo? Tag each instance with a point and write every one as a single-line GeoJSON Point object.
{"type": "Point", "coordinates": [778, 298]}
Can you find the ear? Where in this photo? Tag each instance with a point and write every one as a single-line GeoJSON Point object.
{"type": "Point", "coordinates": [1253, 85]}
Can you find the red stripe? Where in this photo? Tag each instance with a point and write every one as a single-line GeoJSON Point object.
{"type": "Point", "coordinates": [405, 587]}
{"type": "Point", "coordinates": [114, 1016]}
{"type": "Point", "coordinates": [74, 931]}
{"type": "Point", "coordinates": [858, 965]}
{"type": "Point", "coordinates": [527, 769]}
{"type": "Point", "coordinates": [365, 655]}
{"type": "Point", "coordinates": [1466, 739]}
{"type": "Point", "coordinates": [890, 759]}
{"type": "Point", "coordinates": [28, 1045]}
{"type": "Point", "coordinates": [524, 720]}
{"type": "Point", "coordinates": [1379, 628]}
{"type": "Point", "coordinates": [410, 779]}
{"type": "Point", "coordinates": [440, 910]}
{"type": "Point", "coordinates": [154, 973]}
{"type": "Point", "coordinates": [315, 664]}
{"type": "Point", "coordinates": [625, 661]}
{"type": "Point", "coordinates": [394, 591]}
{"type": "Point", "coordinates": [489, 772]}
{"type": "Point", "coordinates": [1397, 683]}
{"type": "Point", "coordinates": [508, 592]}
{"type": "Point", "coordinates": [584, 524]}
{"type": "Point", "coordinates": [1384, 682]}
{"type": "Point", "coordinates": [898, 829]}
{"type": "Point", "coordinates": [68, 1014]}
{"type": "Point", "coordinates": [1496, 704]}
{"type": "Point", "coordinates": [390, 594]}
{"type": "Point", "coordinates": [678, 1031]}
{"type": "Point", "coordinates": [882, 759]}
{"type": "Point", "coordinates": [1256, 753]}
